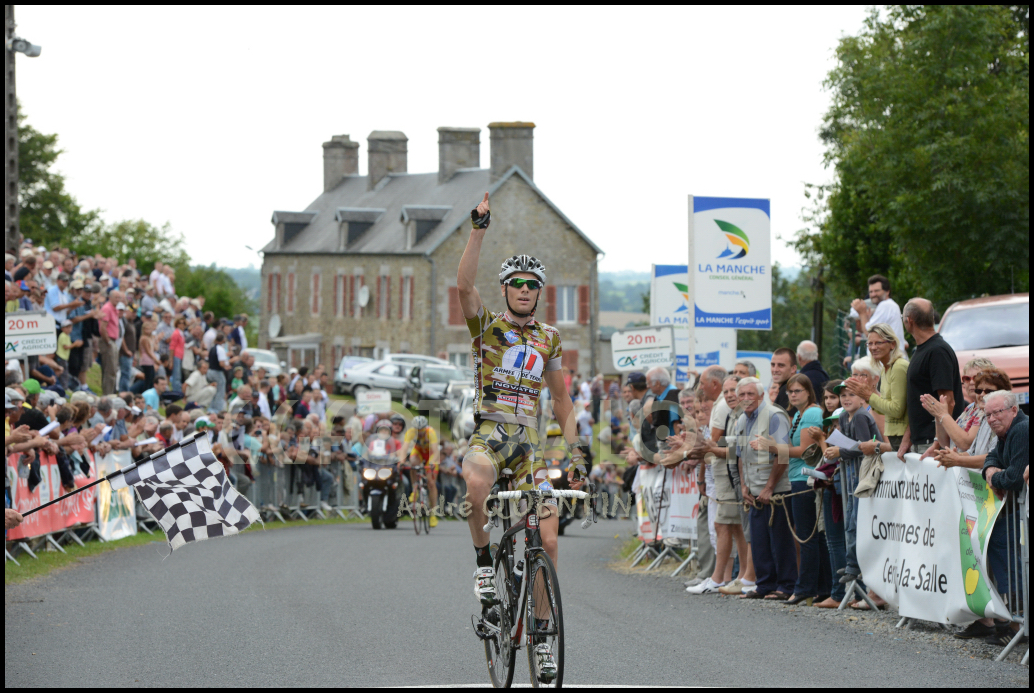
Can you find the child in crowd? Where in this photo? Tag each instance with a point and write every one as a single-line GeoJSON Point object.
{"type": "Point", "coordinates": [857, 423]}
{"type": "Point", "coordinates": [64, 350]}
{"type": "Point", "coordinates": [238, 378]}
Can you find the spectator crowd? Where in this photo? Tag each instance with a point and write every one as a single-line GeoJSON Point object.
{"type": "Point", "coordinates": [169, 368]}
{"type": "Point", "coordinates": [760, 452]}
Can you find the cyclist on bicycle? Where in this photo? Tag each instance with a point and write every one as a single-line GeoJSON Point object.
{"type": "Point", "coordinates": [420, 449]}
{"type": "Point", "coordinates": [514, 355]}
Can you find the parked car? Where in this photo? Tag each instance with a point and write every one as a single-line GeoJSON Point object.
{"type": "Point", "coordinates": [374, 375]}
{"type": "Point", "coordinates": [463, 420]}
{"type": "Point", "coordinates": [346, 363]}
{"type": "Point", "coordinates": [429, 382]}
{"type": "Point", "coordinates": [416, 358]}
{"type": "Point", "coordinates": [996, 328]}
{"type": "Point", "coordinates": [455, 394]}
{"type": "Point", "coordinates": [268, 360]}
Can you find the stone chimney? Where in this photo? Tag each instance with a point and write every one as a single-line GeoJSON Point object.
{"type": "Point", "coordinates": [457, 148]}
{"type": "Point", "coordinates": [511, 145]}
{"type": "Point", "coordinates": [340, 159]}
{"type": "Point", "coordinates": [386, 150]}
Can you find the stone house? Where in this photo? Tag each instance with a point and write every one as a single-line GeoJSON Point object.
{"type": "Point", "coordinates": [369, 268]}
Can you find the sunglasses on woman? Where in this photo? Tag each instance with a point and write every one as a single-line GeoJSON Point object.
{"type": "Point", "coordinates": [519, 283]}
{"type": "Point", "coordinates": [982, 391]}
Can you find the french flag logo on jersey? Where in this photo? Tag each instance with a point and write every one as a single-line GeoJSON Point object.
{"type": "Point", "coordinates": [523, 358]}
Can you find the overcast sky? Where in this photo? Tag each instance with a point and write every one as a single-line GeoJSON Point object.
{"type": "Point", "coordinates": [211, 118]}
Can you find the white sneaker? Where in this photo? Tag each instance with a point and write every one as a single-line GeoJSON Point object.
{"type": "Point", "coordinates": [484, 586]}
{"type": "Point", "coordinates": [706, 587]}
{"type": "Point", "coordinates": [749, 587]}
{"type": "Point", "coordinates": [546, 663]}
{"type": "Point", "coordinates": [325, 506]}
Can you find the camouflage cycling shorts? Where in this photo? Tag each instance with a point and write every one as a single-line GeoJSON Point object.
{"type": "Point", "coordinates": [514, 447]}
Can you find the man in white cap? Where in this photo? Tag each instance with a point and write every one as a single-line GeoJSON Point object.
{"type": "Point", "coordinates": [58, 301]}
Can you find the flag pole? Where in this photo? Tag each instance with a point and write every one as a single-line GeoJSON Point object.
{"type": "Point", "coordinates": [187, 439]}
{"type": "Point", "coordinates": [69, 495]}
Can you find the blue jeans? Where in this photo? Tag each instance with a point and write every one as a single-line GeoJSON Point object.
{"type": "Point", "coordinates": [1002, 546]}
{"type": "Point", "coordinates": [177, 374]}
{"type": "Point", "coordinates": [851, 519]}
{"type": "Point", "coordinates": [772, 547]}
{"type": "Point", "coordinates": [218, 379]}
{"type": "Point", "coordinates": [326, 484]}
{"type": "Point", "coordinates": [835, 543]}
{"type": "Point", "coordinates": [813, 574]}
{"type": "Point", "coordinates": [125, 369]}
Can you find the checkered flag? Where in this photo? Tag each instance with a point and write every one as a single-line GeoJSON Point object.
{"type": "Point", "coordinates": [186, 491]}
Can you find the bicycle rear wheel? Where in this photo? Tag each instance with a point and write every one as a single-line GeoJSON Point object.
{"type": "Point", "coordinates": [500, 651]}
{"type": "Point", "coordinates": [425, 502]}
{"type": "Point", "coordinates": [415, 510]}
{"type": "Point", "coordinates": [544, 592]}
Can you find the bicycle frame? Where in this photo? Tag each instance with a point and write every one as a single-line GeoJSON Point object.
{"type": "Point", "coordinates": [532, 545]}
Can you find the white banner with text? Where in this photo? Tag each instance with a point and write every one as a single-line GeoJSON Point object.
{"type": "Point", "coordinates": [922, 541]}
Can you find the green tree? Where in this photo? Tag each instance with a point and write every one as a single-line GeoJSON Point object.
{"type": "Point", "coordinates": [137, 239]}
{"type": "Point", "coordinates": [223, 296]}
{"type": "Point", "coordinates": [791, 315]}
{"type": "Point", "coordinates": [48, 213]}
{"type": "Point", "coordinates": [929, 138]}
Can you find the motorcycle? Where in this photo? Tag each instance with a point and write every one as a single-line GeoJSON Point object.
{"type": "Point", "coordinates": [379, 483]}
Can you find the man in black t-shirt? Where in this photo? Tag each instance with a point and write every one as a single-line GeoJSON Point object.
{"type": "Point", "coordinates": [934, 371]}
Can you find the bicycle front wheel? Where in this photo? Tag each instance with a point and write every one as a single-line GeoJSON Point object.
{"type": "Point", "coordinates": [425, 502]}
{"type": "Point", "coordinates": [500, 651]}
{"type": "Point", "coordinates": [544, 621]}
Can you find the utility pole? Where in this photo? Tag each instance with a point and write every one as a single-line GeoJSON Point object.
{"type": "Point", "coordinates": [12, 237]}
{"type": "Point", "coordinates": [12, 45]}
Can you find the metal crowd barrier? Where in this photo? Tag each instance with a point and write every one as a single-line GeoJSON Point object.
{"type": "Point", "coordinates": [848, 483]}
{"type": "Point", "coordinates": [1015, 515]}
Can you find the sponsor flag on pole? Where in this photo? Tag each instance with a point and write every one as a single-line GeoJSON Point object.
{"type": "Point", "coordinates": [186, 490]}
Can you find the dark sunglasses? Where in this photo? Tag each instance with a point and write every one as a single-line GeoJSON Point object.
{"type": "Point", "coordinates": [982, 391]}
{"type": "Point", "coordinates": [519, 283]}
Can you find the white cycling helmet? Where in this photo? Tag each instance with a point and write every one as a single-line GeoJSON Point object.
{"type": "Point", "coordinates": [522, 263]}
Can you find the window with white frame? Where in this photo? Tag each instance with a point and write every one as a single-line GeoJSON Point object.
{"type": "Point", "coordinates": [566, 304]}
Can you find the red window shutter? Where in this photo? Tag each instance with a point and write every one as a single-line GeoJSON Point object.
{"type": "Point", "coordinates": [269, 294]}
{"type": "Point", "coordinates": [337, 284]}
{"type": "Point", "coordinates": [387, 298]}
{"type": "Point", "coordinates": [315, 294]}
{"type": "Point", "coordinates": [455, 310]}
{"type": "Point", "coordinates": [583, 305]}
{"type": "Point", "coordinates": [550, 304]}
{"type": "Point", "coordinates": [358, 286]}
{"type": "Point", "coordinates": [569, 360]}
{"type": "Point", "coordinates": [380, 280]}
{"type": "Point", "coordinates": [410, 315]}
{"type": "Point", "coordinates": [351, 296]}
{"type": "Point", "coordinates": [402, 288]}
{"type": "Point", "coordinates": [277, 292]}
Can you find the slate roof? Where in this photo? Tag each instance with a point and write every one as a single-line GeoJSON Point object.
{"type": "Point", "coordinates": [398, 195]}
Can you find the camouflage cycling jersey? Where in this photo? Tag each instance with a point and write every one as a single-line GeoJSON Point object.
{"type": "Point", "coordinates": [510, 362]}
